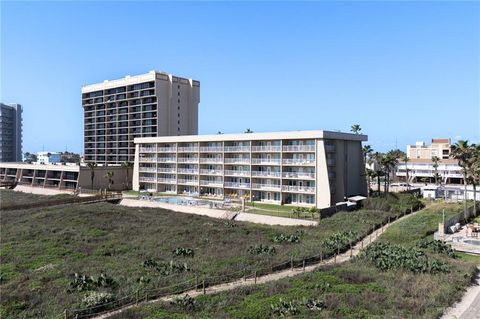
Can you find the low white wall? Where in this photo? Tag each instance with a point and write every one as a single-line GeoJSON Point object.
{"type": "Point", "coordinates": [274, 220]}
{"type": "Point", "coordinates": [41, 190]}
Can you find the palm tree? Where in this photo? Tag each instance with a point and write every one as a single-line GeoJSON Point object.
{"type": "Point", "coordinates": [127, 165]}
{"type": "Point", "coordinates": [248, 131]}
{"type": "Point", "coordinates": [219, 132]}
{"type": "Point", "coordinates": [92, 166]}
{"type": "Point", "coordinates": [462, 152]}
{"type": "Point", "coordinates": [355, 128]}
{"type": "Point", "coordinates": [405, 160]}
{"type": "Point", "coordinates": [474, 173]}
{"type": "Point", "coordinates": [377, 157]}
{"type": "Point", "coordinates": [435, 160]}
{"type": "Point", "coordinates": [367, 151]}
{"type": "Point", "coordinates": [109, 176]}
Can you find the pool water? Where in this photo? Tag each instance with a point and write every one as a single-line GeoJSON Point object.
{"type": "Point", "coordinates": [472, 242]}
{"type": "Point", "coordinates": [183, 201]}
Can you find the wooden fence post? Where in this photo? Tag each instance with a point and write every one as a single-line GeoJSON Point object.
{"type": "Point", "coordinates": [196, 282]}
{"type": "Point", "coordinates": [351, 249]}
{"type": "Point", "coordinates": [204, 289]}
{"type": "Point", "coordinates": [244, 274]}
{"type": "Point", "coordinates": [65, 316]}
{"type": "Point", "coordinates": [362, 242]}
{"type": "Point", "coordinates": [255, 274]}
{"type": "Point", "coordinates": [291, 263]}
{"type": "Point", "coordinates": [321, 256]}
{"type": "Point", "coordinates": [303, 264]}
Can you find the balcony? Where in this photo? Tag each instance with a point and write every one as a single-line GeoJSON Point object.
{"type": "Point", "coordinates": [188, 181]}
{"type": "Point", "coordinates": [330, 148]}
{"type": "Point", "coordinates": [167, 180]}
{"type": "Point", "coordinates": [188, 171]}
{"type": "Point", "coordinates": [211, 160]}
{"type": "Point", "coordinates": [166, 170]}
{"type": "Point", "coordinates": [299, 148]}
{"type": "Point", "coordinates": [167, 149]}
{"type": "Point", "coordinates": [146, 169]}
{"type": "Point", "coordinates": [237, 185]}
{"type": "Point", "coordinates": [211, 183]}
{"type": "Point", "coordinates": [211, 149]}
{"type": "Point", "coordinates": [299, 162]}
{"type": "Point", "coordinates": [147, 150]}
{"type": "Point", "coordinates": [166, 160]}
{"type": "Point", "coordinates": [211, 172]}
{"type": "Point", "coordinates": [147, 179]}
{"type": "Point", "coordinates": [298, 175]}
{"type": "Point", "coordinates": [268, 187]}
{"type": "Point", "coordinates": [188, 149]}
{"type": "Point", "coordinates": [237, 160]}
{"type": "Point", "coordinates": [266, 161]}
{"type": "Point", "coordinates": [266, 174]}
{"type": "Point", "coordinates": [148, 159]}
{"type": "Point", "coordinates": [266, 149]}
{"type": "Point", "coordinates": [244, 149]}
{"type": "Point", "coordinates": [187, 160]}
{"type": "Point", "coordinates": [237, 173]}
{"type": "Point", "coordinates": [298, 189]}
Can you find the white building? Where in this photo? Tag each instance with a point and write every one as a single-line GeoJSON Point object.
{"type": "Point", "coordinates": [48, 157]}
{"type": "Point", "coordinates": [311, 168]}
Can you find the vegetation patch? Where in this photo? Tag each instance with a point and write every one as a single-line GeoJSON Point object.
{"type": "Point", "coordinates": [183, 252]}
{"type": "Point", "coordinates": [262, 250]}
{"type": "Point", "coordinates": [437, 246]}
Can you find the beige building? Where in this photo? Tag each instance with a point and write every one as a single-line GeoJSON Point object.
{"type": "Point", "coordinates": [440, 148]}
{"type": "Point", "coordinates": [147, 105]}
{"type": "Point", "coordinates": [311, 168]}
{"type": "Point", "coordinates": [63, 176]}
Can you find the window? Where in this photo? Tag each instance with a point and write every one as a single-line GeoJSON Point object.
{"type": "Point", "coordinates": [178, 100]}
{"type": "Point", "coordinates": [178, 114]}
{"type": "Point", "coordinates": [179, 129]}
{"type": "Point", "coordinates": [178, 122]}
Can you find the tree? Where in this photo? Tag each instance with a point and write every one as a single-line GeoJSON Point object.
{"type": "Point", "coordinates": [127, 165]}
{"type": "Point", "coordinates": [377, 157]}
{"type": "Point", "coordinates": [109, 176]}
{"type": "Point", "coordinates": [219, 132]}
{"type": "Point", "coordinates": [435, 160]}
{"type": "Point", "coordinates": [248, 131]}
{"type": "Point", "coordinates": [367, 151]}
{"type": "Point", "coordinates": [92, 166]}
{"type": "Point", "coordinates": [355, 128]}
{"type": "Point", "coordinates": [405, 160]}
{"type": "Point", "coordinates": [463, 153]}
{"type": "Point", "coordinates": [474, 173]}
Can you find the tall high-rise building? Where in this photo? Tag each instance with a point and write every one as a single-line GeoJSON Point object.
{"type": "Point", "coordinates": [10, 132]}
{"type": "Point", "coordinates": [148, 105]}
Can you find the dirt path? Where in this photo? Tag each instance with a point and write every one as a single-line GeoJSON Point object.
{"type": "Point", "coordinates": [469, 306]}
{"type": "Point", "coordinates": [272, 277]}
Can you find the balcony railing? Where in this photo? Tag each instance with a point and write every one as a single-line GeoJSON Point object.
{"type": "Point", "coordinates": [146, 169]}
{"type": "Point", "coordinates": [237, 185]}
{"type": "Point", "coordinates": [188, 149]}
{"type": "Point", "coordinates": [147, 179]}
{"type": "Point", "coordinates": [166, 170]}
{"type": "Point", "coordinates": [299, 148]}
{"type": "Point", "coordinates": [266, 174]}
{"type": "Point", "coordinates": [167, 149]}
{"type": "Point", "coordinates": [267, 186]}
{"type": "Point", "coordinates": [211, 172]}
{"type": "Point", "coordinates": [211, 183]}
{"type": "Point", "coordinates": [188, 181]}
{"type": "Point", "coordinates": [237, 160]}
{"type": "Point", "coordinates": [148, 159]}
{"type": "Point", "coordinates": [167, 180]}
{"type": "Point", "coordinates": [298, 189]}
{"type": "Point", "coordinates": [147, 149]}
{"type": "Point", "coordinates": [237, 148]}
{"type": "Point", "coordinates": [211, 149]}
{"type": "Point", "coordinates": [298, 161]}
{"type": "Point", "coordinates": [266, 161]}
{"type": "Point", "coordinates": [301, 175]}
{"type": "Point", "coordinates": [188, 171]}
{"type": "Point", "coordinates": [166, 160]}
{"type": "Point", "coordinates": [211, 160]}
{"type": "Point", "coordinates": [266, 148]}
{"type": "Point", "coordinates": [237, 173]}
{"type": "Point", "coordinates": [187, 160]}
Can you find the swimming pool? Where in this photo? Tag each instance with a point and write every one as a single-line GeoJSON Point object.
{"type": "Point", "coordinates": [472, 242]}
{"type": "Point", "coordinates": [186, 201]}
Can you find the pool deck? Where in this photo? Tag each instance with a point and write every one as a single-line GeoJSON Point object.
{"type": "Point", "coordinates": [219, 213]}
{"type": "Point", "coordinates": [457, 241]}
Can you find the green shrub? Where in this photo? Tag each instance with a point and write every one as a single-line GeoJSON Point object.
{"type": "Point", "coordinates": [280, 238]}
{"type": "Point", "coordinates": [185, 302]}
{"type": "Point", "coordinates": [184, 252]}
{"type": "Point", "coordinates": [339, 240]}
{"type": "Point", "coordinates": [262, 250]}
{"type": "Point", "coordinates": [284, 309]}
{"type": "Point", "coordinates": [437, 246]}
{"type": "Point", "coordinates": [81, 282]}
{"type": "Point", "coordinates": [166, 268]}
{"type": "Point", "coordinates": [389, 257]}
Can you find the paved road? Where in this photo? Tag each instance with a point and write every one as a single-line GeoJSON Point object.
{"type": "Point", "coordinates": [469, 306]}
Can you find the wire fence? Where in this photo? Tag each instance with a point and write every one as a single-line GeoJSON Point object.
{"type": "Point", "coordinates": [201, 283]}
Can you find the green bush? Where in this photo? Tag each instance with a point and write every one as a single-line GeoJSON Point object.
{"type": "Point", "coordinates": [262, 250]}
{"type": "Point", "coordinates": [94, 299]}
{"type": "Point", "coordinates": [389, 257]}
{"type": "Point", "coordinates": [81, 282]}
{"type": "Point", "coordinates": [437, 246]}
{"type": "Point", "coordinates": [284, 308]}
{"type": "Point", "coordinates": [398, 203]}
{"type": "Point", "coordinates": [339, 241]}
{"type": "Point", "coordinates": [293, 238]}
{"type": "Point", "coordinates": [184, 252]}
{"type": "Point", "coordinates": [186, 302]}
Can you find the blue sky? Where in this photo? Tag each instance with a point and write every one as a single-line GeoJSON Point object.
{"type": "Point", "coordinates": [404, 71]}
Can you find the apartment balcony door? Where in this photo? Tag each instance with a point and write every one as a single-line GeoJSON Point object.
{"type": "Point", "coordinates": [269, 196]}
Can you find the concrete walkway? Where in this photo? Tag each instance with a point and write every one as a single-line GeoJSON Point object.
{"type": "Point", "coordinates": [271, 277]}
{"type": "Point", "coordinates": [469, 306]}
{"type": "Point", "coordinates": [41, 190]}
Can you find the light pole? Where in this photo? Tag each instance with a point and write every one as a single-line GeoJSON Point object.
{"type": "Point", "coordinates": [253, 200]}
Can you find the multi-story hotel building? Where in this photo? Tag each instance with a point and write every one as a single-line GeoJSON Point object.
{"type": "Point", "coordinates": [147, 105]}
{"type": "Point", "coordinates": [421, 167]}
{"type": "Point", "coordinates": [10, 132]}
{"type": "Point", "coordinates": [312, 168]}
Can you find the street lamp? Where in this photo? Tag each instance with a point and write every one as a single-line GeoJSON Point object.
{"type": "Point", "coordinates": [253, 200]}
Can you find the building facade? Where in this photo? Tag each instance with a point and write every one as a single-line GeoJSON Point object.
{"type": "Point", "coordinates": [64, 177]}
{"type": "Point", "coordinates": [48, 157]}
{"type": "Point", "coordinates": [421, 168]}
{"type": "Point", "coordinates": [311, 168]}
{"type": "Point", "coordinates": [147, 105]}
{"type": "Point", "coordinates": [10, 132]}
